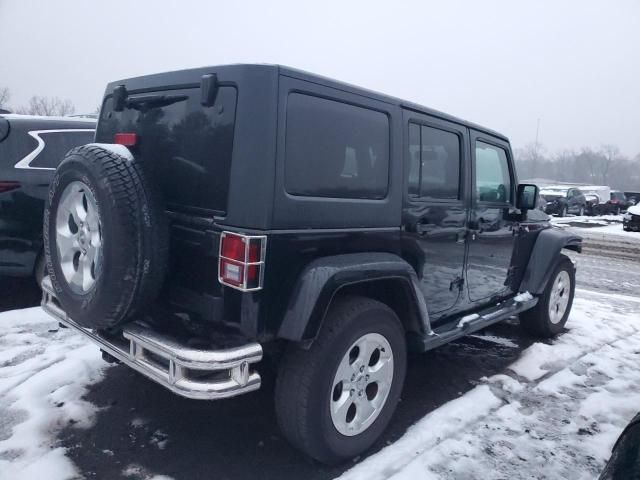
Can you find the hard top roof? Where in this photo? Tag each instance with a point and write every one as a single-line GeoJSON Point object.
{"type": "Point", "coordinates": [192, 76]}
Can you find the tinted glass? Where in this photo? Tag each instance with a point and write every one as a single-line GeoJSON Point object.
{"type": "Point", "coordinates": [434, 170]}
{"type": "Point", "coordinates": [189, 146]}
{"type": "Point", "coordinates": [16, 146]}
{"type": "Point", "coordinates": [493, 181]}
{"type": "Point", "coordinates": [56, 146]}
{"type": "Point", "coordinates": [335, 150]}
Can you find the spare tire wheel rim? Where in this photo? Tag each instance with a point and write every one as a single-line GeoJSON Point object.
{"type": "Point", "coordinates": [79, 237]}
{"type": "Point", "coordinates": [361, 384]}
{"type": "Point", "coordinates": [559, 297]}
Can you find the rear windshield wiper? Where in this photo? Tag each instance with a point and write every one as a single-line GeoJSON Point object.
{"type": "Point", "coordinates": [145, 102]}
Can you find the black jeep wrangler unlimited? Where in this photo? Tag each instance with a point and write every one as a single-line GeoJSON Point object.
{"type": "Point", "coordinates": [235, 212]}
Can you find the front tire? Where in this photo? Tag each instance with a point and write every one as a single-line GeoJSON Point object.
{"type": "Point", "coordinates": [335, 399]}
{"type": "Point", "coordinates": [548, 318]}
{"type": "Point", "coordinates": [563, 211]}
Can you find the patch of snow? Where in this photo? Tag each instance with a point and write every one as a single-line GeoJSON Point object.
{"type": "Point", "coordinates": [634, 209]}
{"type": "Point", "coordinates": [467, 318]}
{"type": "Point", "coordinates": [428, 432]}
{"type": "Point", "coordinates": [44, 373]}
{"type": "Point", "coordinates": [505, 342]}
{"type": "Point", "coordinates": [523, 297]}
{"type": "Point", "coordinates": [138, 422]}
{"type": "Point", "coordinates": [138, 472]}
{"type": "Point", "coordinates": [116, 148]}
{"type": "Point", "coordinates": [555, 413]}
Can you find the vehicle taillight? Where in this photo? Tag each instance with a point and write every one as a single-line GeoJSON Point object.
{"type": "Point", "coordinates": [8, 186]}
{"type": "Point", "coordinates": [241, 262]}
{"type": "Point", "coordinates": [126, 139]}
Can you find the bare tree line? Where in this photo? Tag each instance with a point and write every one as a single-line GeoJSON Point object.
{"type": "Point", "coordinates": [38, 105]}
{"type": "Point", "coordinates": [602, 166]}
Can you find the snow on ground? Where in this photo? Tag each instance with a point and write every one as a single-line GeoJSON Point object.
{"type": "Point", "coordinates": [554, 414]}
{"type": "Point", "coordinates": [596, 228]}
{"type": "Point", "coordinates": [44, 372]}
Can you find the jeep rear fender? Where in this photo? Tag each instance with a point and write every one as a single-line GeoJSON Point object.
{"type": "Point", "coordinates": [545, 256]}
{"type": "Point", "coordinates": [323, 278]}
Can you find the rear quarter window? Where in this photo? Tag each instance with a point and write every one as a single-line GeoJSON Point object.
{"type": "Point", "coordinates": [57, 144]}
{"type": "Point", "coordinates": [335, 149]}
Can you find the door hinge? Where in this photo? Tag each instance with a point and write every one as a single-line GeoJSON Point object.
{"type": "Point", "coordinates": [457, 283]}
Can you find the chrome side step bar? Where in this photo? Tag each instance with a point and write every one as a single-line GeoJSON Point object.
{"type": "Point", "coordinates": [190, 372]}
{"type": "Point", "coordinates": [468, 324]}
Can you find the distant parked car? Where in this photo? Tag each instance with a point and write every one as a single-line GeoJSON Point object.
{"type": "Point", "coordinates": [618, 203]}
{"type": "Point", "coordinates": [561, 200]}
{"type": "Point", "coordinates": [597, 197]}
{"type": "Point", "coordinates": [631, 219]}
{"type": "Point", "coordinates": [30, 150]}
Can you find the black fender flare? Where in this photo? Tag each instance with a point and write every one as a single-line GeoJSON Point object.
{"type": "Point", "coordinates": [545, 256]}
{"type": "Point", "coordinates": [322, 278]}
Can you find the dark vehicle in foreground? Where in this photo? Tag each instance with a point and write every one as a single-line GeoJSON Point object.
{"type": "Point", "coordinates": [624, 463]}
{"type": "Point", "coordinates": [631, 219]}
{"type": "Point", "coordinates": [561, 200]}
{"type": "Point", "coordinates": [30, 149]}
{"type": "Point", "coordinates": [238, 217]}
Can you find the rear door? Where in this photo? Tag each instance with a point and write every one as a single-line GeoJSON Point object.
{"type": "Point", "coordinates": [492, 233]}
{"type": "Point", "coordinates": [434, 209]}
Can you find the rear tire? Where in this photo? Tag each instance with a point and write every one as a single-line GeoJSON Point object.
{"type": "Point", "coordinates": [563, 211]}
{"type": "Point", "coordinates": [320, 414]}
{"type": "Point", "coordinates": [102, 204]}
{"type": "Point", "coordinates": [548, 318]}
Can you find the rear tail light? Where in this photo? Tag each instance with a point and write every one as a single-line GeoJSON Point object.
{"type": "Point", "coordinates": [126, 139]}
{"type": "Point", "coordinates": [8, 186]}
{"type": "Point", "coordinates": [241, 261]}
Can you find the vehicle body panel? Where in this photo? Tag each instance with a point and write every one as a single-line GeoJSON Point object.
{"type": "Point", "coordinates": [28, 156]}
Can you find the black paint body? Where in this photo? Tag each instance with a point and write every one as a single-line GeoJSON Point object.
{"type": "Point", "coordinates": [444, 257]}
{"type": "Point", "coordinates": [25, 186]}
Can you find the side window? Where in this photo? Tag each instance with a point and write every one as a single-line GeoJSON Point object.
{"type": "Point", "coordinates": [57, 144]}
{"type": "Point", "coordinates": [493, 181]}
{"type": "Point", "coordinates": [333, 149]}
{"type": "Point", "coordinates": [434, 163]}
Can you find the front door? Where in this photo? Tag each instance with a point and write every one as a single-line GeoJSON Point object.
{"type": "Point", "coordinates": [492, 235]}
{"type": "Point", "coordinates": [434, 212]}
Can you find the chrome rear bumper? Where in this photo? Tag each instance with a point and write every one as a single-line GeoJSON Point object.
{"type": "Point", "coordinates": [205, 374]}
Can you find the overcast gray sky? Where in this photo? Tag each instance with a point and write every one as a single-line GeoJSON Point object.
{"type": "Point", "coordinates": [575, 65]}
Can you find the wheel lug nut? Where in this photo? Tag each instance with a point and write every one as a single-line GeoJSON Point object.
{"type": "Point", "coordinates": [360, 393]}
{"type": "Point", "coordinates": [362, 368]}
{"type": "Point", "coordinates": [366, 377]}
{"type": "Point", "coordinates": [351, 392]}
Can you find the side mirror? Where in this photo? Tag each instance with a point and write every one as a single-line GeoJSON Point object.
{"type": "Point", "coordinates": [527, 198]}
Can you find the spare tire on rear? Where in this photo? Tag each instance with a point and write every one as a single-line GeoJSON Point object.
{"type": "Point", "coordinates": [105, 237]}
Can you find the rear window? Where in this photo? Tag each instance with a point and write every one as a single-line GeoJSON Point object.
{"type": "Point", "coordinates": [334, 149]}
{"type": "Point", "coordinates": [190, 146]}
